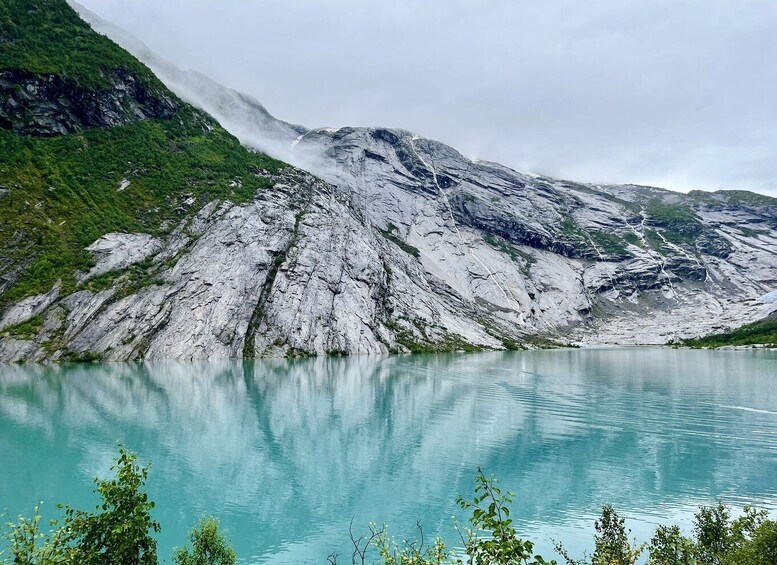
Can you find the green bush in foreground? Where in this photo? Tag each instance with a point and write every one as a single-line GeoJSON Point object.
{"type": "Point", "coordinates": [120, 532]}
{"type": "Point", "coordinates": [492, 539]}
{"type": "Point", "coordinates": [209, 546]}
{"type": "Point", "coordinates": [120, 529]}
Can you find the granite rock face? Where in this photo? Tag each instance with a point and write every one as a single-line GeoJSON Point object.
{"type": "Point", "coordinates": [46, 105]}
{"type": "Point", "coordinates": [594, 263]}
{"type": "Point", "coordinates": [296, 272]}
{"type": "Point", "coordinates": [389, 242]}
{"type": "Point", "coordinates": [118, 251]}
{"type": "Point", "coordinates": [401, 244]}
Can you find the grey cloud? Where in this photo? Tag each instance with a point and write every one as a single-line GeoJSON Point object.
{"type": "Point", "coordinates": [681, 93]}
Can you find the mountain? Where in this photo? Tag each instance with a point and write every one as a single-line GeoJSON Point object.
{"type": "Point", "coordinates": [242, 115]}
{"type": "Point", "coordinates": [142, 229]}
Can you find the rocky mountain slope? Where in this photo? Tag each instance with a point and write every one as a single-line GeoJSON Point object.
{"type": "Point", "coordinates": [623, 264]}
{"type": "Point", "coordinates": [398, 243]}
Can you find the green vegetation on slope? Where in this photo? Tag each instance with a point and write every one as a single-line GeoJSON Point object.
{"type": "Point", "coordinates": [677, 215]}
{"type": "Point", "coordinates": [763, 332]}
{"type": "Point", "coordinates": [63, 192]}
{"type": "Point", "coordinates": [740, 197]}
{"type": "Point", "coordinates": [434, 340]}
{"type": "Point", "coordinates": [610, 243]}
{"type": "Point", "coordinates": [391, 234]}
{"type": "Point", "coordinates": [678, 220]}
{"type": "Point", "coordinates": [24, 330]}
{"type": "Point", "coordinates": [599, 242]}
{"type": "Point", "coordinates": [60, 194]}
{"type": "Point", "coordinates": [633, 239]}
{"type": "Point", "coordinates": [48, 37]}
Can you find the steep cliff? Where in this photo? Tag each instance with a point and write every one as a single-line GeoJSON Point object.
{"type": "Point", "coordinates": [164, 238]}
{"type": "Point", "coordinates": [623, 264]}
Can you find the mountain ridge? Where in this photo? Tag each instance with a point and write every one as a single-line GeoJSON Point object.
{"type": "Point", "coordinates": [390, 242]}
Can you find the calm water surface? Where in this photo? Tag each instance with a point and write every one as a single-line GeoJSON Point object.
{"type": "Point", "coordinates": [287, 452]}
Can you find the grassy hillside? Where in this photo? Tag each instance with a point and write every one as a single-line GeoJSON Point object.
{"type": "Point", "coordinates": [48, 37]}
{"type": "Point", "coordinates": [763, 332]}
{"type": "Point", "coordinates": [59, 194]}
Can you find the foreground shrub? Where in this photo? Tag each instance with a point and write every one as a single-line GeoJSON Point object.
{"type": "Point", "coordinates": [489, 539]}
{"type": "Point", "coordinates": [491, 516]}
{"type": "Point", "coordinates": [749, 540]}
{"type": "Point", "coordinates": [209, 546]}
{"type": "Point", "coordinates": [611, 543]}
{"type": "Point", "coordinates": [669, 547]}
{"type": "Point", "coordinates": [27, 545]}
{"type": "Point", "coordinates": [120, 531]}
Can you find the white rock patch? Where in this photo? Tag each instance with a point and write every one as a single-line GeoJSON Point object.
{"type": "Point", "coordinates": [115, 251]}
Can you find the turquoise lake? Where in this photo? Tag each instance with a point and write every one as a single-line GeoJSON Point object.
{"type": "Point", "coordinates": [287, 452]}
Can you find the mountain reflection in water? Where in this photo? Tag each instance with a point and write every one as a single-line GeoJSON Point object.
{"type": "Point", "coordinates": [286, 452]}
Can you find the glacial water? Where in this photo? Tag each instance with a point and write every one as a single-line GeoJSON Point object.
{"type": "Point", "coordinates": [286, 453]}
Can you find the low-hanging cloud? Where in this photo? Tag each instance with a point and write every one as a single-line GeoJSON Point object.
{"type": "Point", "coordinates": [680, 93]}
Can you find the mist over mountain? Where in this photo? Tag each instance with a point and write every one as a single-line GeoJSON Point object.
{"type": "Point", "coordinates": [673, 94]}
{"type": "Point", "coordinates": [183, 244]}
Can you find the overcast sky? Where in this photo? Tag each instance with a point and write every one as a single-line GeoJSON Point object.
{"type": "Point", "coordinates": [673, 93]}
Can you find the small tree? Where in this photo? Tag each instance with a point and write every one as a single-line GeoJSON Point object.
{"type": "Point", "coordinates": [712, 530]}
{"type": "Point", "coordinates": [119, 531]}
{"type": "Point", "coordinates": [759, 549]}
{"type": "Point", "coordinates": [411, 553]}
{"type": "Point", "coordinates": [209, 546]}
{"type": "Point", "coordinates": [611, 543]}
{"type": "Point", "coordinates": [669, 547]}
{"type": "Point", "coordinates": [491, 514]}
{"type": "Point", "coordinates": [27, 545]}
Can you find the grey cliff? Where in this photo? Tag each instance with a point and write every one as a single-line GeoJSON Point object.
{"type": "Point", "coordinates": [381, 241]}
